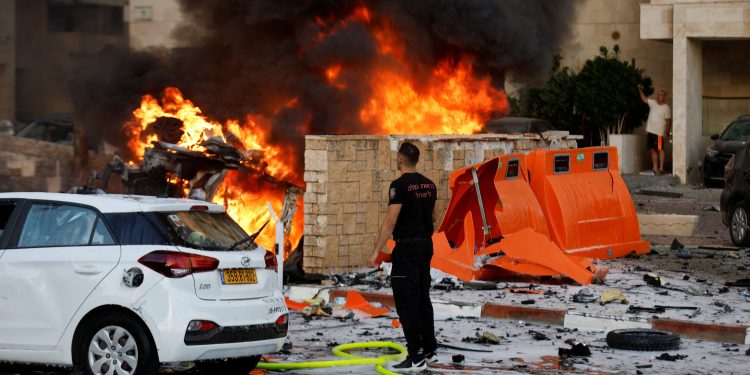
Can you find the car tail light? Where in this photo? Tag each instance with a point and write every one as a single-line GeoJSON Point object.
{"type": "Point", "coordinates": [201, 325]}
{"type": "Point", "coordinates": [271, 262]}
{"type": "Point", "coordinates": [175, 264]}
{"type": "Point", "coordinates": [729, 168]}
{"type": "Point", "coordinates": [282, 320]}
{"type": "Point", "coordinates": [199, 208]}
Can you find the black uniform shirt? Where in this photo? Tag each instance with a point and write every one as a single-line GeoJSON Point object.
{"type": "Point", "coordinates": [416, 194]}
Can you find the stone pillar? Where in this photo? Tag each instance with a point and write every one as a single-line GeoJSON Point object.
{"type": "Point", "coordinates": [7, 60]}
{"type": "Point", "coordinates": [687, 108]}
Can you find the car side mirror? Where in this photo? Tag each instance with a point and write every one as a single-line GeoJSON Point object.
{"type": "Point", "coordinates": [714, 137]}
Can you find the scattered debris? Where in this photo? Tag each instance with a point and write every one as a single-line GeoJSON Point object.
{"type": "Point", "coordinates": [463, 348]}
{"type": "Point", "coordinates": [458, 358]}
{"type": "Point", "coordinates": [740, 282]}
{"type": "Point", "coordinates": [668, 357]}
{"type": "Point", "coordinates": [642, 339]}
{"type": "Point", "coordinates": [711, 247]}
{"type": "Point", "coordinates": [480, 285]}
{"type": "Point", "coordinates": [727, 308]}
{"type": "Point", "coordinates": [632, 309]}
{"type": "Point", "coordinates": [577, 350]}
{"type": "Point", "coordinates": [652, 279]}
{"type": "Point", "coordinates": [659, 193]}
{"type": "Point", "coordinates": [486, 338]}
{"type": "Point", "coordinates": [685, 254]}
{"type": "Point", "coordinates": [357, 303]}
{"type": "Point", "coordinates": [536, 335]}
{"type": "Point", "coordinates": [747, 352]}
{"type": "Point", "coordinates": [713, 207]}
{"type": "Point", "coordinates": [613, 295]}
{"type": "Point", "coordinates": [524, 290]}
{"type": "Point", "coordinates": [724, 290]}
{"type": "Point", "coordinates": [584, 296]}
{"type": "Point", "coordinates": [528, 302]}
{"type": "Point", "coordinates": [676, 245]}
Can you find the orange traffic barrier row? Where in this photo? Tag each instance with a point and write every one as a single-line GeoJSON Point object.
{"type": "Point", "coordinates": [541, 214]}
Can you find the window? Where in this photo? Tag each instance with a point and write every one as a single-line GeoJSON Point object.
{"type": "Point", "coordinates": [51, 224]}
{"type": "Point", "coordinates": [85, 18]}
{"type": "Point", "coordinates": [6, 209]}
{"type": "Point", "coordinates": [512, 171]}
{"type": "Point", "coordinates": [137, 228]}
{"type": "Point", "coordinates": [562, 163]}
{"type": "Point", "coordinates": [601, 161]}
{"type": "Point", "coordinates": [101, 234]}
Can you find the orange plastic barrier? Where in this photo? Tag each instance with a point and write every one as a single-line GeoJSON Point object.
{"type": "Point", "coordinates": [541, 214]}
{"type": "Point", "coordinates": [588, 208]}
{"type": "Point", "coordinates": [505, 234]}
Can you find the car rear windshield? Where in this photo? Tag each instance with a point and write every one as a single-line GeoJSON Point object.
{"type": "Point", "coordinates": [203, 230]}
{"type": "Point", "coordinates": [737, 131]}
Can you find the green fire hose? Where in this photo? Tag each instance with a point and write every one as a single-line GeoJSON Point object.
{"type": "Point", "coordinates": [352, 360]}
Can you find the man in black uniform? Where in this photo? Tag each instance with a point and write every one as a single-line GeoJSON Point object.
{"type": "Point", "coordinates": [410, 217]}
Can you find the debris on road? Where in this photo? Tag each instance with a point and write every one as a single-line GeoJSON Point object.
{"type": "Point", "coordinates": [486, 338]}
{"type": "Point", "coordinates": [668, 357]}
{"type": "Point", "coordinates": [584, 296]}
{"type": "Point", "coordinates": [536, 335]}
{"type": "Point", "coordinates": [458, 358]}
{"type": "Point", "coordinates": [642, 339]}
{"type": "Point", "coordinates": [658, 193]}
{"type": "Point", "coordinates": [652, 279]}
{"type": "Point", "coordinates": [613, 295]}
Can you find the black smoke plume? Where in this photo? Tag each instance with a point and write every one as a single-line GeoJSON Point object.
{"type": "Point", "coordinates": [252, 56]}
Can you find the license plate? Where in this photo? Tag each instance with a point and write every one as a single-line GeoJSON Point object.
{"type": "Point", "coordinates": [239, 276]}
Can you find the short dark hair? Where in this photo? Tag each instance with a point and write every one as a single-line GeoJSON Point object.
{"type": "Point", "coordinates": [410, 153]}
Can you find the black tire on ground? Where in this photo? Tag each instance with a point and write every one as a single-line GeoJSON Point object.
{"type": "Point", "coordinates": [643, 340]}
{"type": "Point", "coordinates": [744, 239]}
{"type": "Point", "coordinates": [229, 366]}
{"type": "Point", "coordinates": [148, 359]}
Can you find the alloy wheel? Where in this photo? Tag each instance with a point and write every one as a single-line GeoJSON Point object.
{"type": "Point", "coordinates": [739, 223]}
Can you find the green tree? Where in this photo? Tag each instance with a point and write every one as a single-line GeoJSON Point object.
{"type": "Point", "coordinates": [601, 99]}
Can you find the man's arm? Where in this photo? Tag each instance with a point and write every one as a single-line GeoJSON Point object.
{"type": "Point", "coordinates": [668, 127]}
{"type": "Point", "coordinates": [434, 215]}
{"type": "Point", "coordinates": [643, 96]}
{"type": "Point", "coordinates": [386, 230]}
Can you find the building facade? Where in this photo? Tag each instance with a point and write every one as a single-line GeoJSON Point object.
{"type": "Point", "coordinates": [710, 75]}
{"type": "Point", "coordinates": [39, 42]}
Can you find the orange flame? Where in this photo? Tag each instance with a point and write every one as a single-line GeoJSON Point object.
{"type": "Point", "coordinates": [245, 199]}
{"type": "Point", "coordinates": [453, 99]}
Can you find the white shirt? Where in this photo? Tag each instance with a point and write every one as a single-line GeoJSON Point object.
{"type": "Point", "coordinates": [658, 115]}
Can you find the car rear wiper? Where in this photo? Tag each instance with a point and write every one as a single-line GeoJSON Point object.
{"type": "Point", "coordinates": [249, 238]}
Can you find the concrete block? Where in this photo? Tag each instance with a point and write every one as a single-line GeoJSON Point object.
{"type": "Point", "coordinates": [667, 225]}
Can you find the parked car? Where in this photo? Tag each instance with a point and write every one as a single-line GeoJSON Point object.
{"type": "Point", "coordinates": [56, 128]}
{"type": "Point", "coordinates": [517, 125]}
{"type": "Point", "coordinates": [735, 198]}
{"type": "Point", "coordinates": [120, 284]}
{"type": "Point", "coordinates": [724, 147]}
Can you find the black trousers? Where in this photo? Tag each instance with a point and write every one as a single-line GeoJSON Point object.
{"type": "Point", "coordinates": [410, 279]}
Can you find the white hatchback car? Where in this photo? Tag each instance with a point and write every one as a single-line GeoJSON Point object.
{"type": "Point", "coordinates": [115, 284]}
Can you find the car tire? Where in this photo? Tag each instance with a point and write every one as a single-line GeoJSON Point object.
{"type": "Point", "coordinates": [739, 219]}
{"type": "Point", "coordinates": [643, 340]}
{"type": "Point", "coordinates": [229, 366]}
{"type": "Point", "coordinates": [132, 343]}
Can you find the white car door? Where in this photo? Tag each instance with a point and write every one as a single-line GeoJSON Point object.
{"type": "Point", "coordinates": [58, 256]}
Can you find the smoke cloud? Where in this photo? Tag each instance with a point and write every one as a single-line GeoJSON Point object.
{"type": "Point", "coordinates": [252, 57]}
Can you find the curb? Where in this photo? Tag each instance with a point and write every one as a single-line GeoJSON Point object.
{"type": "Point", "coordinates": [724, 333]}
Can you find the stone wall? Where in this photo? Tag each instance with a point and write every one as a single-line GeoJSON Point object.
{"type": "Point", "coordinates": [347, 179]}
{"type": "Point", "coordinates": [31, 165]}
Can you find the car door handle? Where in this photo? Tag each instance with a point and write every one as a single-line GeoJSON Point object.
{"type": "Point", "coordinates": [87, 270]}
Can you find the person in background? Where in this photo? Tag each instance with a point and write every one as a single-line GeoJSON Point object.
{"type": "Point", "coordinates": [658, 126]}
